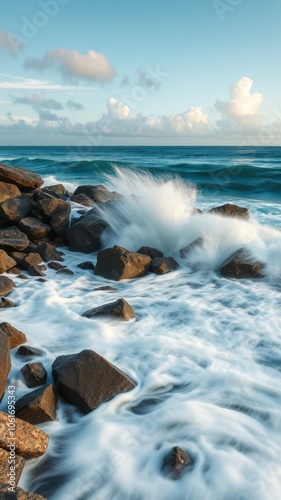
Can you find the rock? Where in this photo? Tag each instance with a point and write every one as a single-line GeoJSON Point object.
{"type": "Point", "coordinates": [49, 252]}
{"type": "Point", "coordinates": [15, 337]}
{"type": "Point", "coordinates": [6, 285]}
{"type": "Point", "coordinates": [18, 257]}
{"type": "Point", "coordinates": [241, 265]}
{"type": "Point", "coordinates": [85, 235]}
{"type": "Point", "coordinates": [163, 265]}
{"type": "Point", "coordinates": [34, 228]}
{"type": "Point", "coordinates": [23, 277]}
{"type": "Point", "coordinates": [186, 250]}
{"type": "Point", "coordinates": [65, 270]}
{"type": "Point", "coordinates": [14, 209]}
{"type": "Point", "coordinates": [27, 350]}
{"type": "Point", "coordinates": [176, 462]}
{"type": "Point", "coordinates": [34, 374]}
{"type": "Point", "coordinates": [82, 199]}
{"type": "Point", "coordinates": [18, 494]}
{"type": "Point", "coordinates": [5, 362]}
{"type": "Point", "coordinates": [87, 379]}
{"type": "Point", "coordinates": [24, 179]}
{"type": "Point", "coordinates": [5, 303]}
{"type": "Point", "coordinates": [29, 440]}
{"type": "Point", "coordinates": [32, 259]}
{"type": "Point", "coordinates": [10, 469]}
{"type": "Point", "coordinates": [6, 262]}
{"type": "Point", "coordinates": [56, 265]}
{"type": "Point", "coordinates": [99, 194]}
{"type": "Point", "coordinates": [57, 190]}
{"type": "Point", "coordinates": [86, 266]}
{"type": "Point", "coordinates": [150, 252]}
{"type": "Point", "coordinates": [117, 264]}
{"type": "Point", "coordinates": [8, 191]}
{"type": "Point", "coordinates": [119, 309]}
{"type": "Point", "coordinates": [13, 239]}
{"type": "Point", "coordinates": [36, 270]}
{"type": "Point", "coordinates": [229, 210]}
{"type": "Point", "coordinates": [105, 288]}
{"type": "Point", "coordinates": [38, 406]}
{"type": "Point", "coordinates": [55, 211]}
{"type": "Point", "coordinates": [14, 270]}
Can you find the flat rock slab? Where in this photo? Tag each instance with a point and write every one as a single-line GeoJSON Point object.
{"type": "Point", "coordinates": [163, 265]}
{"type": "Point", "coordinates": [19, 494]}
{"type": "Point", "coordinates": [18, 466]}
{"type": "Point", "coordinates": [87, 380]}
{"type": "Point", "coordinates": [13, 239]}
{"type": "Point", "coordinates": [34, 374]}
{"type": "Point", "coordinates": [29, 440]}
{"type": "Point", "coordinates": [118, 263]}
{"type": "Point", "coordinates": [230, 210]}
{"type": "Point", "coordinates": [6, 262]}
{"type": "Point", "coordinates": [38, 406]}
{"type": "Point", "coordinates": [176, 462]}
{"type": "Point", "coordinates": [5, 362]}
{"type": "Point", "coordinates": [241, 265]}
{"type": "Point", "coordinates": [22, 178]}
{"type": "Point", "coordinates": [6, 285]}
{"type": "Point", "coordinates": [16, 337]}
{"type": "Point", "coordinates": [119, 309]}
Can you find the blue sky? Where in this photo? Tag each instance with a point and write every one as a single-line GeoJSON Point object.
{"type": "Point", "coordinates": [151, 72]}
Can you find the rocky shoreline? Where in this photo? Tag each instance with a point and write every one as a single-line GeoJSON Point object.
{"type": "Point", "coordinates": [35, 223]}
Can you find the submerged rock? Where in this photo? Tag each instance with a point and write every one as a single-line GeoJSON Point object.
{"type": "Point", "coordinates": [22, 178]}
{"type": "Point", "coordinates": [38, 406]}
{"type": "Point", "coordinates": [241, 265]}
{"type": "Point", "coordinates": [29, 440]}
{"type": "Point", "coordinates": [118, 263]}
{"type": "Point", "coordinates": [87, 379]}
{"type": "Point", "coordinates": [230, 210]}
{"type": "Point", "coordinates": [34, 374]}
{"type": "Point", "coordinates": [120, 309]}
{"type": "Point", "coordinates": [16, 337]}
{"type": "Point", "coordinates": [86, 266]}
{"type": "Point", "coordinates": [150, 252]}
{"type": "Point", "coordinates": [5, 362]}
{"type": "Point", "coordinates": [176, 462]}
{"type": "Point", "coordinates": [163, 265]}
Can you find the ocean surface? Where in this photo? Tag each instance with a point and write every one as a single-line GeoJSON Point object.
{"type": "Point", "coordinates": [205, 351]}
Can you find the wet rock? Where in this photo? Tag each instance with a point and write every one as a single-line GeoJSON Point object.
{"type": "Point", "coordinates": [86, 266]}
{"type": "Point", "coordinates": [6, 262]}
{"type": "Point", "coordinates": [10, 471]}
{"type": "Point", "coordinates": [56, 265]}
{"type": "Point", "coordinates": [14, 270]}
{"type": "Point", "coordinates": [8, 191]}
{"type": "Point", "coordinates": [18, 494]}
{"type": "Point", "coordinates": [229, 210]}
{"type": "Point", "coordinates": [15, 337]}
{"type": "Point", "coordinates": [176, 462]}
{"type": "Point", "coordinates": [57, 190]}
{"type": "Point", "coordinates": [38, 406]}
{"type": "Point", "coordinates": [34, 374]}
{"type": "Point", "coordinates": [23, 277]}
{"type": "Point", "coordinates": [27, 350]}
{"type": "Point", "coordinates": [36, 270]}
{"type": "Point", "coordinates": [6, 303]}
{"type": "Point", "coordinates": [5, 362]}
{"type": "Point", "coordinates": [85, 235]}
{"type": "Point", "coordinates": [6, 285]}
{"type": "Point", "coordinates": [56, 211]}
{"type": "Point", "coordinates": [87, 379]}
{"type": "Point", "coordinates": [242, 265]}
{"type": "Point", "coordinates": [117, 264]}
{"type": "Point", "coordinates": [65, 270]}
{"type": "Point", "coordinates": [82, 199]}
{"type": "Point", "coordinates": [13, 210]}
{"type": "Point", "coordinates": [150, 252]}
{"type": "Point", "coordinates": [105, 288]}
{"type": "Point", "coordinates": [13, 239]}
{"type": "Point", "coordinates": [99, 194]}
{"type": "Point", "coordinates": [163, 265]}
{"type": "Point", "coordinates": [29, 440]}
{"type": "Point", "coordinates": [34, 228]}
{"type": "Point", "coordinates": [195, 244]}
{"type": "Point", "coordinates": [49, 252]}
{"type": "Point", "coordinates": [32, 259]}
{"type": "Point", "coordinates": [119, 309]}
{"type": "Point", "coordinates": [18, 257]}
{"type": "Point", "coordinates": [24, 179]}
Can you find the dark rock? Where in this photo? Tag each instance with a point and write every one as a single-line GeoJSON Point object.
{"type": "Point", "coordinates": [8, 191]}
{"type": "Point", "coordinates": [34, 228]}
{"type": "Point", "coordinates": [36, 270]}
{"type": "Point", "coordinates": [38, 406]}
{"type": "Point", "coordinates": [82, 212]}
{"type": "Point", "coordinates": [30, 441]}
{"type": "Point", "coordinates": [6, 285]}
{"type": "Point", "coordinates": [163, 265]}
{"type": "Point", "coordinates": [56, 265]}
{"type": "Point", "coordinates": [241, 265]}
{"type": "Point", "coordinates": [23, 277]}
{"type": "Point", "coordinates": [86, 266]}
{"type": "Point", "coordinates": [34, 374]}
{"type": "Point", "coordinates": [56, 211]}
{"type": "Point", "coordinates": [15, 337]}
{"type": "Point", "coordinates": [18, 494]}
{"type": "Point", "coordinates": [87, 379]}
{"type": "Point", "coordinates": [10, 471]}
{"type": "Point", "coordinates": [99, 194]}
{"type": "Point", "coordinates": [6, 303]}
{"type": "Point", "coordinates": [6, 262]}
{"type": "Point", "coordinates": [65, 270]}
{"type": "Point", "coordinates": [150, 252]}
{"type": "Point", "coordinates": [14, 209]}
{"type": "Point", "coordinates": [85, 235]}
{"type": "Point", "coordinates": [117, 263]}
{"type": "Point", "coordinates": [13, 239]}
{"type": "Point", "coordinates": [14, 270]}
{"type": "Point", "coordinates": [49, 252]}
{"type": "Point", "coordinates": [27, 350]}
{"type": "Point", "coordinates": [58, 191]}
{"type": "Point", "coordinates": [41, 280]}
{"type": "Point", "coordinates": [119, 309]}
{"type": "Point", "coordinates": [22, 178]}
{"type": "Point", "coordinates": [5, 362]}
{"type": "Point", "coordinates": [105, 288]}
{"type": "Point", "coordinates": [229, 210]}
{"type": "Point", "coordinates": [186, 250]}
{"type": "Point", "coordinates": [82, 199]}
{"type": "Point", "coordinates": [32, 259]}
{"type": "Point", "coordinates": [176, 462]}
{"type": "Point", "coordinates": [18, 257]}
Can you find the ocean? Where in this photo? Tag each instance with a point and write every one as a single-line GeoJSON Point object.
{"type": "Point", "coordinates": [205, 351]}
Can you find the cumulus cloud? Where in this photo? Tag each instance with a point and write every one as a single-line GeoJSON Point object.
{"type": "Point", "coordinates": [74, 105]}
{"type": "Point", "coordinates": [10, 43]}
{"type": "Point", "coordinates": [91, 66]}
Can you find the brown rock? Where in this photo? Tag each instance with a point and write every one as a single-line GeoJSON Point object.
{"type": "Point", "coordinates": [241, 265]}
{"type": "Point", "coordinates": [56, 211]}
{"type": "Point", "coordinates": [65, 270]}
{"type": "Point", "coordinates": [34, 374]}
{"type": "Point", "coordinates": [14, 270]}
{"type": "Point", "coordinates": [36, 270]}
{"type": "Point", "coordinates": [16, 337]}
{"type": "Point", "coordinates": [13, 239]}
{"type": "Point", "coordinates": [6, 285]}
{"type": "Point", "coordinates": [5, 303]}
{"type": "Point", "coordinates": [119, 309]}
{"type": "Point", "coordinates": [5, 362]}
{"type": "Point", "coordinates": [57, 190]}
{"type": "Point", "coordinates": [34, 228]}
{"type": "Point", "coordinates": [229, 210]}
{"type": "Point", "coordinates": [27, 350]}
{"type": "Point", "coordinates": [10, 471]}
{"type": "Point", "coordinates": [49, 252]}
{"type": "Point", "coordinates": [163, 265]}
{"type": "Point", "coordinates": [56, 265]}
{"type": "Point", "coordinates": [176, 463]}
{"type": "Point", "coordinates": [8, 191]}
{"type": "Point", "coordinates": [23, 179]}
{"type": "Point", "coordinates": [150, 252]}
{"type": "Point", "coordinates": [32, 259]}
{"type": "Point", "coordinates": [13, 210]}
{"type": "Point", "coordinates": [6, 262]}
{"type": "Point", "coordinates": [82, 199]}
{"type": "Point", "coordinates": [29, 440]}
{"type": "Point", "coordinates": [87, 379]}
{"type": "Point", "coordinates": [18, 257]}
{"type": "Point", "coordinates": [38, 406]}
{"type": "Point", "coordinates": [186, 250]}
{"type": "Point", "coordinates": [117, 264]}
{"type": "Point", "coordinates": [99, 194]}
{"type": "Point", "coordinates": [18, 494]}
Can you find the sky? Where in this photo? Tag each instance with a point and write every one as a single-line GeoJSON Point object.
{"type": "Point", "coordinates": [155, 72]}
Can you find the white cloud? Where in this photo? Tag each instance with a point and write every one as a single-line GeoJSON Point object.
{"type": "Point", "coordinates": [10, 43]}
{"type": "Point", "coordinates": [91, 66]}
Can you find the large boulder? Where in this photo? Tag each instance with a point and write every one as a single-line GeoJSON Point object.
{"type": "Point", "coordinates": [87, 379]}
{"type": "Point", "coordinates": [38, 406]}
{"type": "Point", "coordinates": [56, 212]}
{"type": "Point", "coordinates": [99, 194]}
{"type": "Point", "coordinates": [176, 462]}
{"type": "Point", "coordinates": [242, 265]}
{"type": "Point", "coordinates": [15, 337]}
{"type": "Point", "coordinates": [230, 210]}
{"type": "Point", "coordinates": [85, 235]}
{"type": "Point", "coordinates": [24, 179]}
{"type": "Point", "coordinates": [10, 469]}
{"type": "Point", "coordinates": [29, 440]}
{"type": "Point", "coordinates": [13, 239]}
{"type": "Point", "coordinates": [34, 374]}
{"type": "Point", "coordinates": [6, 286]}
{"type": "Point", "coordinates": [163, 265]}
{"type": "Point", "coordinates": [6, 262]}
{"type": "Point", "coordinates": [118, 263]}
{"type": "Point", "coordinates": [17, 494]}
{"type": "Point", "coordinates": [119, 309]}
{"type": "Point", "coordinates": [14, 209]}
{"type": "Point", "coordinates": [5, 362]}
{"type": "Point", "coordinates": [8, 191]}
{"type": "Point", "coordinates": [34, 228]}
